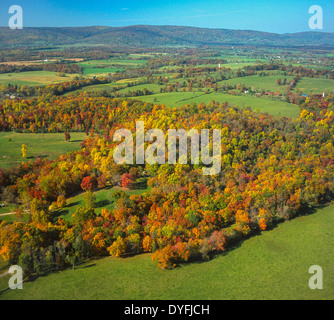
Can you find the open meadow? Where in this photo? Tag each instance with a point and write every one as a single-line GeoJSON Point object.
{"type": "Point", "coordinates": [266, 105]}
{"type": "Point", "coordinates": [33, 78]}
{"type": "Point", "coordinates": [39, 145]}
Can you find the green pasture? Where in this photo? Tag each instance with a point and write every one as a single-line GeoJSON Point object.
{"type": "Point", "coordinates": [32, 78]}
{"type": "Point", "coordinates": [265, 105]}
{"type": "Point", "coordinates": [48, 145]}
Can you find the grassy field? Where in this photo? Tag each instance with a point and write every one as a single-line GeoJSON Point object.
{"type": "Point", "coordinates": [272, 265]}
{"type": "Point", "coordinates": [109, 62]}
{"type": "Point", "coordinates": [237, 65]}
{"type": "Point", "coordinates": [107, 66]}
{"type": "Point", "coordinates": [49, 145]}
{"type": "Point", "coordinates": [315, 85]}
{"type": "Point", "coordinates": [108, 87]}
{"type": "Point", "coordinates": [268, 83]}
{"type": "Point", "coordinates": [100, 71]}
{"type": "Point", "coordinates": [155, 88]}
{"type": "Point", "coordinates": [31, 78]}
{"type": "Point", "coordinates": [14, 217]}
{"type": "Point", "coordinates": [8, 208]}
{"type": "Point", "coordinates": [177, 99]}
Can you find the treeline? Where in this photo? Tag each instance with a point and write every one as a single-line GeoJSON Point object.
{"type": "Point", "coordinates": [60, 67]}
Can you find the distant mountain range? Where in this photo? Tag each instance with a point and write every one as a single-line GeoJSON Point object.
{"type": "Point", "coordinates": [156, 36]}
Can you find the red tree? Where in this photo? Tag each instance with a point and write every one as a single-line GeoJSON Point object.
{"type": "Point", "coordinates": [87, 184]}
{"type": "Point", "coordinates": [126, 180]}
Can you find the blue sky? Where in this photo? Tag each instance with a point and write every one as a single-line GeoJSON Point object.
{"type": "Point", "coordinates": [280, 16]}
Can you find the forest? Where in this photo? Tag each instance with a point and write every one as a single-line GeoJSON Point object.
{"type": "Point", "coordinates": [272, 169]}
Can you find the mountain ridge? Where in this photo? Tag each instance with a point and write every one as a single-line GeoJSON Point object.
{"type": "Point", "coordinates": [156, 36]}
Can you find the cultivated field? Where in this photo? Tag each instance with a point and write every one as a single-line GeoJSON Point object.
{"type": "Point", "coordinates": [33, 78]}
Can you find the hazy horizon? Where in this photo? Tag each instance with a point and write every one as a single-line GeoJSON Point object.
{"type": "Point", "coordinates": [166, 25]}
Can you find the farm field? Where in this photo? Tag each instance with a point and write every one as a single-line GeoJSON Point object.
{"type": "Point", "coordinates": [315, 85]}
{"type": "Point", "coordinates": [100, 87]}
{"type": "Point", "coordinates": [109, 62]}
{"type": "Point", "coordinates": [33, 78]}
{"type": "Point", "coordinates": [48, 145]}
{"type": "Point", "coordinates": [237, 65]}
{"type": "Point", "coordinates": [155, 88]}
{"type": "Point", "coordinates": [104, 67]}
{"type": "Point", "coordinates": [99, 71]}
{"type": "Point", "coordinates": [267, 83]}
{"type": "Point", "coordinates": [177, 99]}
{"type": "Point", "coordinates": [281, 257]}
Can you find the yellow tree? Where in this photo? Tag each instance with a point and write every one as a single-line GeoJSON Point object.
{"type": "Point", "coordinates": [24, 151]}
{"type": "Point", "coordinates": [117, 248]}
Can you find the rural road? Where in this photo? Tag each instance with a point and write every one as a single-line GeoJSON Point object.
{"type": "Point", "coordinates": [7, 214]}
{"type": "Point", "coordinates": [10, 213]}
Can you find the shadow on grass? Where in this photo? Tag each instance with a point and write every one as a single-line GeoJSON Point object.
{"type": "Point", "coordinates": [64, 211]}
{"type": "Point", "coordinates": [72, 204]}
{"type": "Point", "coordinates": [140, 184]}
{"type": "Point", "coordinates": [102, 203]}
{"type": "Point", "coordinates": [84, 264]}
{"type": "Point", "coordinates": [60, 213]}
{"type": "Point", "coordinates": [89, 266]}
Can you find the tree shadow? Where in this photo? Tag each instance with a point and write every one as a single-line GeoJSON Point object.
{"type": "Point", "coordinates": [89, 266]}
{"type": "Point", "coordinates": [140, 184]}
{"type": "Point", "coordinates": [102, 203]}
{"type": "Point", "coordinates": [57, 270]}
{"type": "Point", "coordinates": [64, 211]}
{"type": "Point", "coordinates": [59, 213]}
{"type": "Point", "coordinates": [72, 204]}
{"type": "Point", "coordinates": [311, 210]}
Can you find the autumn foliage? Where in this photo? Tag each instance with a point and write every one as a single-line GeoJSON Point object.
{"type": "Point", "coordinates": [272, 170]}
